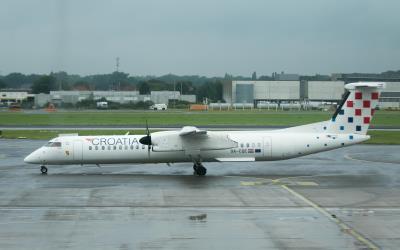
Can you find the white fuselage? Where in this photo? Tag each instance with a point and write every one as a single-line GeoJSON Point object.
{"type": "Point", "coordinates": [250, 146]}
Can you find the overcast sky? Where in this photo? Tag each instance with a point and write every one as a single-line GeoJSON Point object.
{"type": "Point", "coordinates": [205, 37]}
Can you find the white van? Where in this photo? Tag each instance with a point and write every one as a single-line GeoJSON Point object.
{"type": "Point", "coordinates": [102, 105]}
{"type": "Point", "coordinates": [159, 106]}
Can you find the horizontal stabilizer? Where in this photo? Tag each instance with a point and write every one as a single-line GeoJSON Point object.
{"type": "Point", "coordinates": [354, 85]}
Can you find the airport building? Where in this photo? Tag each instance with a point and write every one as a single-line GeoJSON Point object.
{"type": "Point", "coordinates": [165, 96]}
{"type": "Point", "coordinates": [390, 98]}
{"type": "Point", "coordinates": [253, 94]}
{"type": "Point", "coordinates": [8, 97]}
{"type": "Point", "coordinates": [123, 97]}
{"type": "Point", "coordinates": [256, 92]}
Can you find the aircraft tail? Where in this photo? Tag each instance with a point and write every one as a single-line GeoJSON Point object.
{"type": "Point", "coordinates": [355, 112]}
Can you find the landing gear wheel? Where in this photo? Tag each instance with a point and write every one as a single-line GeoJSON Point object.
{"type": "Point", "coordinates": [43, 169]}
{"type": "Point", "coordinates": [199, 170]}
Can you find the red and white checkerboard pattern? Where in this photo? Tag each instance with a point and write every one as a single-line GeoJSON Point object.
{"type": "Point", "coordinates": [356, 113]}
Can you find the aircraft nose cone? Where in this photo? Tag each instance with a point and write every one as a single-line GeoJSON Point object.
{"type": "Point", "coordinates": [32, 158]}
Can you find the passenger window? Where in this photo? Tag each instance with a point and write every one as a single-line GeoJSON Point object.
{"type": "Point", "coordinates": [131, 147]}
{"type": "Point", "coordinates": [115, 147]}
{"type": "Point", "coordinates": [103, 147]}
{"type": "Point", "coordinates": [96, 147]}
{"type": "Point", "coordinates": [247, 145]}
{"type": "Point", "coordinates": [253, 145]}
{"type": "Point", "coordinates": [126, 147]}
{"type": "Point", "coordinates": [120, 147]}
{"type": "Point", "coordinates": [109, 147]}
{"type": "Point", "coordinates": [90, 147]}
{"type": "Point", "coordinates": [143, 146]}
{"type": "Point", "coordinates": [137, 146]}
{"type": "Point", "coordinates": [241, 145]}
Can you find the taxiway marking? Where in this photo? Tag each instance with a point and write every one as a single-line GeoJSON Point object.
{"type": "Point", "coordinates": [348, 157]}
{"type": "Point", "coordinates": [340, 223]}
{"type": "Point", "coordinates": [278, 182]}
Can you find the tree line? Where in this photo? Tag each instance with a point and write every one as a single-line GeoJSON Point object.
{"type": "Point", "coordinates": [202, 87]}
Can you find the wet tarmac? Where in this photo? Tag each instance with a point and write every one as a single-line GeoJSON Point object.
{"type": "Point", "coordinates": [343, 199]}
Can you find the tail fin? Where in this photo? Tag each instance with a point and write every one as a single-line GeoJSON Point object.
{"type": "Point", "coordinates": [355, 112]}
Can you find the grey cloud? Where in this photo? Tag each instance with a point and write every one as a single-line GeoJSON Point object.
{"type": "Point", "coordinates": [199, 37]}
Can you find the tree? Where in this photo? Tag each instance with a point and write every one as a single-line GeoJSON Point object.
{"type": "Point", "coordinates": [211, 90]}
{"type": "Point", "coordinates": [118, 79]}
{"type": "Point", "coordinates": [81, 85]}
{"type": "Point", "coordinates": [144, 88]}
{"type": "Point", "coordinates": [254, 76]}
{"type": "Point", "coordinates": [44, 84]}
{"type": "Point", "coordinates": [15, 80]}
{"type": "Point", "coordinates": [159, 85]}
{"type": "Point", "coordinates": [3, 85]}
{"type": "Point", "coordinates": [187, 87]}
{"type": "Point", "coordinates": [62, 80]}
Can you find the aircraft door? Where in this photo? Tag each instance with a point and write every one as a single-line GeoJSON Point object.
{"type": "Point", "coordinates": [68, 150]}
{"type": "Point", "coordinates": [267, 146]}
{"type": "Point", "coordinates": [78, 151]}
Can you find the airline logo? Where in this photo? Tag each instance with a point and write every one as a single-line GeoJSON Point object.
{"type": "Point", "coordinates": [104, 141]}
{"type": "Point", "coordinates": [358, 112]}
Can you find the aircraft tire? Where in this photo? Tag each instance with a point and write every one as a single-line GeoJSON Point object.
{"type": "Point", "coordinates": [43, 169]}
{"type": "Point", "coordinates": [201, 171]}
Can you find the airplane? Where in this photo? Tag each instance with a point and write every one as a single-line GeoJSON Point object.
{"type": "Point", "coordinates": [348, 126]}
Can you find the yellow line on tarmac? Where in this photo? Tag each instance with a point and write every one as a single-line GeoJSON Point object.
{"type": "Point", "coordinates": [306, 183]}
{"type": "Point", "coordinates": [251, 183]}
{"type": "Point", "coordinates": [340, 223]}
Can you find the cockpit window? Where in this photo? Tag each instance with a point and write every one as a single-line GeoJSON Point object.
{"type": "Point", "coordinates": [55, 144]}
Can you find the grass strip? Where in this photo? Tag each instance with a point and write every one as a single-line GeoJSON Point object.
{"type": "Point", "coordinates": [258, 118]}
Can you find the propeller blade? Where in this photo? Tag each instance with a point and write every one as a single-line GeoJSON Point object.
{"type": "Point", "coordinates": [147, 128]}
{"type": "Point", "coordinates": [148, 137]}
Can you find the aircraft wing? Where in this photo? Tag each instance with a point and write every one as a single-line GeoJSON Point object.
{"type": "Point", "coordinates": [191, 140]}
{"type": "Point", "coordinates": [195, 140]}
{"type": "Point", "coordinates": [190, 130]}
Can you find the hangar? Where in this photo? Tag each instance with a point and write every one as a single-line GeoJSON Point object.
{"type": "Point", "coordinates": [256, 92]}
{"type": "Point", "coordinates": [300, 92]}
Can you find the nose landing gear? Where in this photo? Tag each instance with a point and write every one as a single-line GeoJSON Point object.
{"type": "Point", "coordinates": [43, 169]}
{"type": "Point", "coordinates": [199, 169]}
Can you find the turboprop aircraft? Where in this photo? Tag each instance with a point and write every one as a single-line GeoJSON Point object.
{"type": "Point", "coordinates": [348, 126]}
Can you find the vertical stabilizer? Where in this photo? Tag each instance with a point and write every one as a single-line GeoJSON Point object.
{"type": "Point", "coordinates": [357, 108]}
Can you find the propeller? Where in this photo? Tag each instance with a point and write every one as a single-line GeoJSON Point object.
{"type": "Point", "coordinates": [146, 140]}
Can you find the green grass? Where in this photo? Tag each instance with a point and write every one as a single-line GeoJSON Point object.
{"type": "Point", "coordinates": [260, 118]}
{"type": "Point", "coordinates": [377, 137]}
{"type": "Point", "coordinates": [384, 137]}
{"type": "Point", "coordinates": [115, 118]}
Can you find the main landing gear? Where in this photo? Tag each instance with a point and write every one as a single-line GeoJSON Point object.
{"type": "Point", "coordinates": [199, 169]}
{"type": "Point", "coordinates": [43, 169]}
